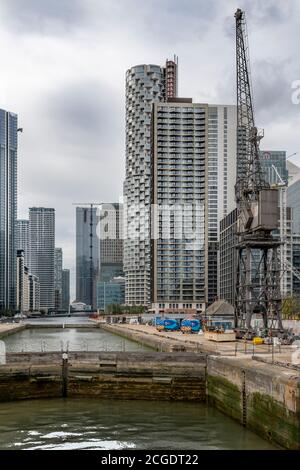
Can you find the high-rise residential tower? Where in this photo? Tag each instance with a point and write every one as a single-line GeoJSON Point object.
{"type": "Point", "coordinates": [221, 176]}
{"type": "Point", "coordinates": [65, 289]}
{"type": "Point", "coordinates": [145, 85]}
{"type": "Point", "coordinates": [179, 242]}
{"type": "Point", "coordinates": [22, 238]}
{"type": "Point", "coordinates": [8, 208]}
{"type": "Point", "coordinates": [87, 255]}
{"type": "Point", "coordinates": [58, 268]}
{"type": "Point", "coordinates": [41, 252]}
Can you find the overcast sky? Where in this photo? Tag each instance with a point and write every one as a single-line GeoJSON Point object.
{"type": "Point", "coordinates": [63, 65]}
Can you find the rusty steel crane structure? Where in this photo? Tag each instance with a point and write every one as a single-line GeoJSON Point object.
{"type": "Point", "coordinates": [258, 270]}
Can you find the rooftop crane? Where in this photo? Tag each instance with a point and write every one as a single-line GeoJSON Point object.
{"type": "Point", "coordinates": [258, 270]}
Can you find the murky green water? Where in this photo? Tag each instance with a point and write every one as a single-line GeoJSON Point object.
{"type": "Point", "coordinates": [76, 339]}
{"type": "Point", "coordinates": [103, 424]}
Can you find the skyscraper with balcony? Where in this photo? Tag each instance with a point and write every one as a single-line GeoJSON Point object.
{"type": "Point", "coordinates": [8, 208]}
{"type": "Point", "coordinates": [42, 252]}
{"type": "Point", "coordinates": [179, 241]}
{"type": "Point", "coordinates": [145, 85]}
{"type": "Point", "coordinates": [22, 238]}
{"type": "Point", "coordinates": [87, 255]}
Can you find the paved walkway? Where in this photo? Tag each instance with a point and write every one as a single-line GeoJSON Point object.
{"type": "Point", "coordinates": [238, 348]}
{"type": "Point", "coordinates": [8, 328]}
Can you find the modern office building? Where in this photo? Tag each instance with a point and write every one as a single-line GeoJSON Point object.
{"type": "Point", "coordinates": [58, 268]}
{"type": "Point", "coordinates": [111, 241]}
{"type": "Point", "coordinates": [42, 252]}
{"type": "Point", "coordinates": [296, 264]}
{"type": "Point", "coordinates": [179, 245]}
{"type": "Point", "coordinates": [145, 85]}
{"type": "Point", "coordinates": [293, 198]}
{"type": "Point", "coordinates": [22, 285]}
{"type": "Point", "coordinates": [293, 171]}
{"type": "Point", "coordinates": [34, 293]}
{"type": "Point", "coordinates": [66, 289]}
{"type": "Point", "coordinates": [271, 159]}
{"type": "Point", "coordinates": [8, 209]}
{"type": "Point", "coordinates": [87, 255]}
{"type": "Point", "coordinates": [221, 177]}
{"type": "Point", "coordinates": [111, 292]}
{"type": "Point", "coordinates": [228, 257]}
{"type": "Point", "coordinates": [22, 238]}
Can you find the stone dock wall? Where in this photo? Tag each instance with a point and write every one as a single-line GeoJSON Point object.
{"type": "Point", "coordinates": [148, 376]}
{"type": "Point", "coordinates": [155, 341]}
{"type": "Point", "coordinates": [262, 397]}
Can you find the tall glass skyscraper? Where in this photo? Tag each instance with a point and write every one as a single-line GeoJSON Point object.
{"type": "Point", "coordinates": [58, 269]}
{"type": "Point", "coordinates": [145, 85]}
{"type": "Point", "coordinates": [270, 159]}
{"type": "Point", "coordinates": [87, 255]}
{"type": "Point", "coordinates": [41, 252]}
{"type": "Point", "coordinates": [22, 238]}
{"type": "Point", "coordinates": [65, 289]}
{"type": "Point", "coordinates": [8, 208]}
{"type": "Point", "coordinates": [111, 241]}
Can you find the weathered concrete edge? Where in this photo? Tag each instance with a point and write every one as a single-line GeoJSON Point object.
{"type": "Point", "coordinates": [159, 343]}
{"type": "Point", "coordinates": [12, 331]}
{"type": "Point", "coordinates": [263, 400]}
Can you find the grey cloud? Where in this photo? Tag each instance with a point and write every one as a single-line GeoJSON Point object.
{"type": "Point", "coordinates": [155, 20]}
{"type": "Point", "coordinates": [264, 12]}
{"type": "Point", "coordinates": [83, 112]}
{"type": "Point", "coordinates": [42, 15]}
{"type": "Point", "coordinates": [72, 148]}
{"type": "Point", "coordinates": [272, 91]}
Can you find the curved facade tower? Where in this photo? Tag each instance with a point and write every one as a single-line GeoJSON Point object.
{"type": "Point", "coordinates": [145, 85]}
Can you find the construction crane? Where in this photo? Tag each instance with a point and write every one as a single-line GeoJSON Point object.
{"type": "Point", "coordinates": [258, 270]}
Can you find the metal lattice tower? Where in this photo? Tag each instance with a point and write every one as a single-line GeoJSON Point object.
{"type": "Point", "coordinates": [258, 270]}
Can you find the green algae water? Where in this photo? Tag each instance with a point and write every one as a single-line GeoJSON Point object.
{"type": "Point", "coordinates": [69, 424]}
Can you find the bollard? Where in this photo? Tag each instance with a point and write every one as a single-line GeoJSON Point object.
{"type": "Point", "coordinates": [64, 375]}
{"type": "Point", "coordinates": [2, 352]}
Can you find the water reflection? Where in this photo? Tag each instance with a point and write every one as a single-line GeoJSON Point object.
{"type": "Point", "coordinates": [104, 424]}
{"type": "Point", "coordinates": [73, 339]}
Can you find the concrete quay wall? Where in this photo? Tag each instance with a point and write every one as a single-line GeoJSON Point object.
{"type": "Point", "coordinates": [147, 376]}
{"type": "Point", "coordinates": [10, 329]}
{"type": "Point", "coordinates": [155, 341]}
{"type": "Point", "coordinates": [263, 398]}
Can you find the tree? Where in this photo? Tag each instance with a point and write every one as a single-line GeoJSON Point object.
{"type": "Point", "coordinates": [291, 308]}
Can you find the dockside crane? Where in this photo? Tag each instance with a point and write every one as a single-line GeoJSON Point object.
{"type": "Point", "coordinates": [258, 269]}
